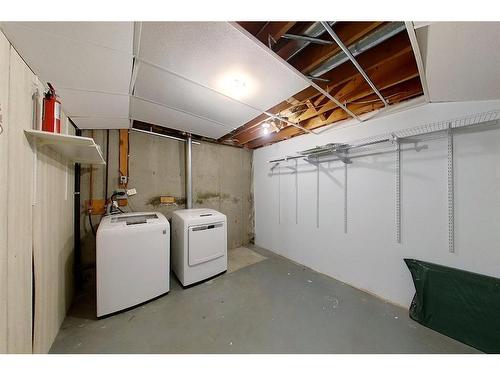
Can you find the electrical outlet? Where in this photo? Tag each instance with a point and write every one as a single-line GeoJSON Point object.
{"type": "Point", "coordinates": [123, 180]}
{"type": "Point", "coordinates": [122, 196]}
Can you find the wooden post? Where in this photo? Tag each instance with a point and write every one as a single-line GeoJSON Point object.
{"type": "Point", "coordinates": [123, 161]}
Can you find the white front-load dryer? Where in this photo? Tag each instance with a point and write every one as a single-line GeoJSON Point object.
{"type": "Point", "coordinates": [199, 244]}
{"type": "Point", "coordinates": [132, 260]}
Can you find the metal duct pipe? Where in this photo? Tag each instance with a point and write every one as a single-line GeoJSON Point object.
{"type": "Point", "coordinates": [189, 177]}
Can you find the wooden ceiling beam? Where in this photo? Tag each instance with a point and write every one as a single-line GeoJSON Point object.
{"type": "Point", "coordinates": [285, 47]}
{"type": "Point", "coordinates": [314, 54]}
{"type": "Point", "coordinates": [255, 122]}
{"type": "Point", "coordinates": [404, 90]}
{"type": "Point", "coordinates": [273, 29]}
{"type": "Point", "coordinates": [400, 68]}
{"type": "Point", "coordinates": [253, 27]}
{"type": "Point", "coordinates": [378, 55]}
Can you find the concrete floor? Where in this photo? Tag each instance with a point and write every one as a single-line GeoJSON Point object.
{"type": "Point", "coordinates": [272, 306]}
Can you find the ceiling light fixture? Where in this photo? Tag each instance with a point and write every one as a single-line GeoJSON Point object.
{"type": "Point", "coordinates": [265, 125]}
{"type": "Point", "coordinates": [266, 131]}
{"type": "Point", "coordinates": [236, 84]}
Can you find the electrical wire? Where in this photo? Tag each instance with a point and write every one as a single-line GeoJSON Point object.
{"type": "Point", "coordinates": [90, 222]}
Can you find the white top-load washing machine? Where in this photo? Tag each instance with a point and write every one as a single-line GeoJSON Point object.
{"type": "Point", "coordinates": [199, 244]}
{"type": "Point", "coordinates": [132, 260]}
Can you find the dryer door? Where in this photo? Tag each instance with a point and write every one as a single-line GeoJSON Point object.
{"type": "Point", "coordinates": [206, 242]}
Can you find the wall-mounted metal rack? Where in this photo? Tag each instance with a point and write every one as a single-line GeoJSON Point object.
{"type": "Point", "coordinates": [346, 152]}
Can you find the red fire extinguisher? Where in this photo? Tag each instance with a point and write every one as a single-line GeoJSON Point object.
{"type": "Point", "coordinates": [51, 112]}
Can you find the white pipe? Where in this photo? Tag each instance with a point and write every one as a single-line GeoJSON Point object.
{"type": "Point", "coordinates": [163, 135]}
{"type": "Point", "coordinates": [189, 181]}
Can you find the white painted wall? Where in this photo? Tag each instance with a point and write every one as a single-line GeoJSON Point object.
{"type": "Point", "coordinates": [368, 256]}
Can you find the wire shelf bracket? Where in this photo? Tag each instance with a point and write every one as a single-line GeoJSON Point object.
{"type": "Point", "coordinates": [451, 193]}
{"type": "Point", "coordinates": [397, 170]}
{"type": "Point", "coordinates": [345, 198]}
{"type": "Point", "coordinates": [346, 152]}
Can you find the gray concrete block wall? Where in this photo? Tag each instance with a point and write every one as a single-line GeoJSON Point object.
{"type": "Point", "coordinates": [222, 180]}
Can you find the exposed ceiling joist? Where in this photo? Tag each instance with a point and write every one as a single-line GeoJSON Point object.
{"type": "Point", "coordinates": [404, 91]}
{"type": "Point", "coordinates": [383, 55]}
{"type": "Point", "coordinates": [275, 30]}
{"type": "Point", "coordinates": [353, 60]}
{"type": "Point", "coordinates": [306, 38]}
{"type": "Point", "coordinates": [309, 59]}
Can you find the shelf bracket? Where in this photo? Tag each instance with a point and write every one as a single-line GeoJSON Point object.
{"type": "Point", "coordinates": [296, 193]}
{"type": "Point", "coordinates": [451, 193]}
{"type": "Point", "coordinates": [345, 197]}
{"type": "Point", "coordinates": [279, 194]}
{"type": "Point", "coordinates": [398, 188]}
{"type": "Point", "coordinates": [317, 195]}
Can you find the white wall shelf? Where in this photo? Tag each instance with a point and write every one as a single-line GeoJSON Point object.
{"type": "Point", "coordinates": [77, 149]}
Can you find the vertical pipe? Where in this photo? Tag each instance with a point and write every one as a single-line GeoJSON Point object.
{"type": "Point", "coordinates": [107, 169]}
{"type": "Point", "coordinates": [76, 235]}
{"type": "Point", "coordinates": [189, 181]}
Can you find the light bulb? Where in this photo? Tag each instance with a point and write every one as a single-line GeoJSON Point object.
{"type": "Point", "coordinates": [266, 131]}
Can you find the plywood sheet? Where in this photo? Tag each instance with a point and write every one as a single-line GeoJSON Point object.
{"type": "Point", "coordinates": [4, 128]}
{"type": "Point", "coordinates": [19, 195]}
{"type": "Point", "coordinates": [52, 246]}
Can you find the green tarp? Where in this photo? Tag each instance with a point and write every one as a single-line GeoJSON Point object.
{"type": "Point", "coordinates": [460, 304]}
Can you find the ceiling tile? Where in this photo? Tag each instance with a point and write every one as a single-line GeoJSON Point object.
{"type": "Point", "coordinates": [94, 104]}
{"type": "Point", "coordinates": [101, 123]}
{"type": "Point", "coordinates": [170, 118]}
{"type": "Point", "coordinates": [71, 64]}
{"type": "Point", "coordinates": [461, 60]}
{"type": "Point", "coordinates": [115, 35]}
{"type": "Point", "coordinates": [160, 86]}
{"type": "Point", "coordinates": [220, 56]}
